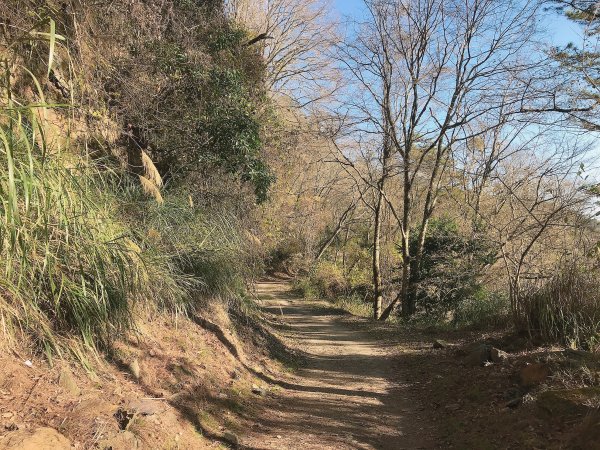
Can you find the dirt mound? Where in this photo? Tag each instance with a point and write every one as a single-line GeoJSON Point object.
{"type": "Point", "coordinates": [189, 390]}
{"type": "Point", "coordinates": [38, 439]}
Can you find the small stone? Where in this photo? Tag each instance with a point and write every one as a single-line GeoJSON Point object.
{"type": "Point", "coordinates": [123, 440]}
{"type": "Point", "coordinates": [498, 356]}
{"type": "Point", "coordinates": [513, 393]}
{"type": "Point", "coordinates": [480, 355]}
{"type": "Point", "coordinates": [146, 407]}
{"type": "Point", "coordinates": [28, 363]}
{"type": "Point", "coordinates": [453, 407]}
{"type": "Point", "coordinates": [152, 352]}
{"type": "Point", "coordinates": [437, 344]}
{"type": "Point", "coordinates": [514, 402]}
{"type": "Point", "coordinates": [576, 402]}
{"type": "Point", "coordinates": [66, 380]}
{"type": "Point", "coordinates": [258, 390]}
{"type": "Point", "coordinates": [39, 439]}
{"type": "Point", "coordinates": [533, 374]}
{"type": "Point", "coordinates": [134, 367]}
{"type": "Point", "coordinates": [231, 438]}
{"type": "Point", "coordinates": [222, 396]}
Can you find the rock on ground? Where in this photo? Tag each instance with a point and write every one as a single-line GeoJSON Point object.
{"type": "Point", "coordinates": [66, 380]}
{"type": "Point", "coordinates": [38, 439]}
{"type": "Point", "coordinates": [439, 343]}
{"type": "Point", "coordinates": [479, 355]}
{"type": "Point", "coordinates": [533, 374]}
{"type": "Point", "coordinates": [134, 367]}
{"type": "Point", "coordinates": [125, 440]}
{"type": "Point", "coordinates": [498, 356]}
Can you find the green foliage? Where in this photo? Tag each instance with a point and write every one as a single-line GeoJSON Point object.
{"type": "Point", "coordinates": [583, 62]}
{"type": "Point", "coordinates": [306, 288]}
{"type": "Point", "coordinates": [284, 257]}
{"type": "Point", "coordinates": [355, 304]}
{"type": "Point", "coordinates": [483, 310]}
{"type": "Point", "coordinates": [226, 39]}
{"type": "Point", "coordinates": [450, 267]}
{"type": "Point", "coordinates": [233, 133]}
{"type": "Point", "coordinates": [66, 266]}
{"type": "Point", "coordinates": [81, 245]}
{"type": "Point", "coordinates": [325, 281]}
{"type": "Point", "coordinates": [190, 93]}
{"type": "Point", "coordinates": [204, 246]}
{"type": "Point", "coordinates": [351, 292]}
{"type": "Point", "coordinates": [347, 283]}
{"type": "Point", "coordinates": [581, 11]}
{"type": "Point", "coordinates": [172, 59]}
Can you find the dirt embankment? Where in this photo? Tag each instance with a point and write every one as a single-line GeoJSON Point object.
{"type": "Point", "coordinates": [176, 384]}
{"type": "Point", "coordinates": [196, 385]}
{"type": "Point", "coordinates": [341, 382]}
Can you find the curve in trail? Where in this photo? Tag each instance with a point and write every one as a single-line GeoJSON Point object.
{"type": "Point", "coordinates": [347, 395]}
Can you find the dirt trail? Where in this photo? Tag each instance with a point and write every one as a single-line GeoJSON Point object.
{"type": "Point", "coordinates": [348, 395]}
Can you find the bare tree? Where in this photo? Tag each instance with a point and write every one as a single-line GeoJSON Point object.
{"type": "Point", "coordinates": [543, 199]}
{"type": "Point", "coordinates": [295, 38]}
{"type": "Point", "coordinates": [368, 163]}
{"type": "Point", "coordinates": [427, 71]}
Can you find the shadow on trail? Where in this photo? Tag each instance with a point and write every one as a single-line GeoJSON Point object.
{"type": "Point", "coordinates": [347, 394]}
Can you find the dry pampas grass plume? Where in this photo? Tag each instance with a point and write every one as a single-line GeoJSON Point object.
{"type": "Point", "coordinates": [150, 171]}
{"type": "Point", "coordinates": [151, 189]}
{"type": "Point", "coordinates": [151, 180]}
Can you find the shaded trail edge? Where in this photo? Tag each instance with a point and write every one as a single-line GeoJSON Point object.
{"type": "Point", "coordinates": [349, 394]}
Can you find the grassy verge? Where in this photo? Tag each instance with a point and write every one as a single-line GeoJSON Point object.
{"type": "Point", "coordinates": [83, 247]}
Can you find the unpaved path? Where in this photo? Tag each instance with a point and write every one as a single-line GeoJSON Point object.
{"type": "Point", "coordinates": [348, 395]}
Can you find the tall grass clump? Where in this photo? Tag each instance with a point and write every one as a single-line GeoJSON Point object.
{"type": "Point", "coordinates": [206, 250]}
{"type": "Point", "coordinates": [65, 267]}
{"type": "Point", "coordinates": [85, 244]}
{"type": "Point", "coordinates": [325, 280]}
{"type": "Point", "coordinates": [566, 310]}
{"type": "Point", "coordinates": [82, 246]}
{"type": "Point", "coordinates": [483, 310]}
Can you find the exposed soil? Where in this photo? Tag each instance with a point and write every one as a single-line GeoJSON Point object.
{"type": "Point", "coordinates": [302, 376]}
{"type": "Point", "coordinates": [371, 385]}
{"type": "Point", "coordinates": [348, 394]}
{"type": "Point", "coordinates": [186, 395]}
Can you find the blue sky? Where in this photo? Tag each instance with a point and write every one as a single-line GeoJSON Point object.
{"type": "Point", "coordinates": [557, 31]}
{"type": "Point", "coordinates": [560, 30]}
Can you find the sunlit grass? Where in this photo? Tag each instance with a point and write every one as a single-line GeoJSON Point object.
{"type": "Point", "coordinates": [82, 245]}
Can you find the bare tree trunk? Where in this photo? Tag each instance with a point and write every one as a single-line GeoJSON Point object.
{"type": "Point", "coordinates": [377, 279]}
{"type": "Point", "coordinates": [406, 308]}
{"type": "Point", "coordinates": [433, 189]}
{"type": "Point", "coordinates": [422, 65]}
{"type": "Point", "coordinates": [337, 230]}
{"type": "Point", "coordinates": [344, 256]}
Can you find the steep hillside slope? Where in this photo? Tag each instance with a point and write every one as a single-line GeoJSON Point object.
{"type": "Point", "coordinates": [187, 384]}
{"type": "Point", "coordinates": [131, 157]}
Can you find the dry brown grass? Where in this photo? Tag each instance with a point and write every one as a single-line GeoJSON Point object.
{"type": "Point", "coordinates": [151, 189]}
